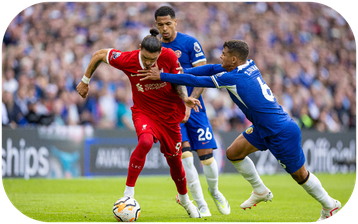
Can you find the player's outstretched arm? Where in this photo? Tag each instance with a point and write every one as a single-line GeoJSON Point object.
{"type": "Point", "coordinates": [178, 79]}
{"type": "Point", "coordinates": [204, 70]}
{"type": "Point", "coordinates": [96, 60]}
{"type": "Point", "coordinates": [188, 80]}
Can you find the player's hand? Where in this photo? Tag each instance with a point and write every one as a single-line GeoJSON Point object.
{"type": "Point", "coordinates": [193, 103]}
{"type": "Point", "coordinates": [187, 114]}
{"type": "Point", "coordinates": [82, 89]}
{"type": "Point", "coordinates": [180, 69]}
{"type": "Point", "coordinates": [152, 74]}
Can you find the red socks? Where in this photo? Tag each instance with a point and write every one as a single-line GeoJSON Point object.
{"type": "Point", "coordinates": [137, 160]}
{"type": "Point", "coordinates": [178, 174]}
{"type": "Point", "coordinates": [138, 156]}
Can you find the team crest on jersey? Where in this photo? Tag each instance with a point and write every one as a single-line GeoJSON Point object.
{"type": "Point", "coordinates": [197, 47]}
{"type": "Point", "coordinates": [178, 53]}
{"type": "Point", "coordinates": [249, 130]}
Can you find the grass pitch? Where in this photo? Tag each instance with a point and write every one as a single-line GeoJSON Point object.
{"type": "Point", "coordinates": [91, 200]}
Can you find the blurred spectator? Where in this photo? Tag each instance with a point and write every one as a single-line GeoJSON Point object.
{"type": "Point", "coordinates": [5, 117]}
{"type": "Point", "coordinates": [10, 84]}
{"type": "Point", "coordinates": [123, 112]}
{"type": "Point", "coordinates": [14, 115]}
{"type": "Point", "coordinates": [58, 110]}
{"type": "Point", "coordinates": [306, 53]}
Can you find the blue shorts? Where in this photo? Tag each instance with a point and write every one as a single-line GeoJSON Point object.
{"type": "Point", "coordinates": [198, 132]}
{"type": "Point", "coordinates": [285, 146]}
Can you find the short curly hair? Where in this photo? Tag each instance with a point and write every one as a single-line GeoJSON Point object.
{"type": "Point", "coordinates": [164, 11]}
{"type": "Point", "coordinates": [238, 48]}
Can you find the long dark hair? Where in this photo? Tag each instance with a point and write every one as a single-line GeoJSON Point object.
{"type": "Point", "coordinates": [152, 43]}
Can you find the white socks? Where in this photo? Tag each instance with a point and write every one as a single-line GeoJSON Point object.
{"type": "Point", "coordinates": [193, 181]}
{"type": "Point", "coordinates": [211, 173]}
{"type": "Point", "coordinates": [184, 199]}
{"type": "Point", "coordinates": [314, 188]}
{"type": "Point", "coordinates": [192, 177]}
{"type": "Point", "coordinates": [129, 191]}
{"type": "Point", "coordinates": [247, 169]}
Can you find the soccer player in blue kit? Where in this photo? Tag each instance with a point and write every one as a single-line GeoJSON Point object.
{"type": "Point", "coordinates": [196, 131]}
{"type": "Point", "coordinates": [272, 128]}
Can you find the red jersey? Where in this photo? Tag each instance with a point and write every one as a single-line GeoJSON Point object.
{"type": "Point", "coordinates": [154, 98]}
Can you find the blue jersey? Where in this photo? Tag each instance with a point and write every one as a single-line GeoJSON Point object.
{"type": "Point", "coordinates": [189, 53]}
{"type": "Point", "coordinates": [246, 88]}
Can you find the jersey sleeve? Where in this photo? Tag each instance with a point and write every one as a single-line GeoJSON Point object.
{"type": "Point", "coordinates": [115, 58]}
{"type": "Point", "coordinates": [188, 80]}
{"type": "Point", "coordinates": [205, 70]}
{"type": "Point", "coordinates": [223, 79]}
{"type": "Point", "coordinates": [195, 51]}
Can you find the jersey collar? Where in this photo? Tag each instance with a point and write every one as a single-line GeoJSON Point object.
{"type": "Point", "coordinates": [140, 61]}
{"type": "Point", "coordinates": [244, 65]}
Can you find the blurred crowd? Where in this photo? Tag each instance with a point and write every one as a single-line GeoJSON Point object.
{"type": "Point", "coordinates": [306, 53]}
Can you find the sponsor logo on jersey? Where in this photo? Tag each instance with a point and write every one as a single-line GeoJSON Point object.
{"type": "Point", "coordinates": [139, 87]}
{"type": "Point", "coordinates": [115, 55]}
{"type": "Point", "coordinates": [154, 86]}
{"type": "Point", "coordinates": [150, 86]}
{"type": "Point", "coordinates": [249, 130]}
{"type": "Point", "coordinates": [199, 54]}
{"type": "Point", "coordinates": [178, 53]}
{"type": "Point", "coordinates": [197, 47]}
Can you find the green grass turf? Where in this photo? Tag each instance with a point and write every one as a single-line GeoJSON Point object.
{"type": "Point", "coordinates": [91, 200]}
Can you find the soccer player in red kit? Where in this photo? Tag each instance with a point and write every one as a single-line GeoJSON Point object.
{"type": "Point", "coordinates": [157, 111]}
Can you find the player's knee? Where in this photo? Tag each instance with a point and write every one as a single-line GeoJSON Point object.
{"type": "Point", "coordinates": [234, 154]}
{"type": "Point", "coordinates": [146, 141]}
{"type": "Point", "coordinates": [231, 154]}
{"type": "Point", "coordinates": [301, 176]}
{"type": "Point", "coordinates": [206, 159]}
{"type": "Point", "coordinates": [186, 154]}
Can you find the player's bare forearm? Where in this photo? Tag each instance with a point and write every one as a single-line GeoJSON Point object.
{"type": "Point", "coordinates": [189, 101]}
{"type": "Point", "coordinates": [96, 60]}
{"type": "Point", "coordinates": [197, 91]}
{"type": "Point", "coordinates": [182, 91]}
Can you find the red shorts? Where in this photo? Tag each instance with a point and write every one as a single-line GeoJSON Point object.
{"type": "Point", "coordinates": [168, 135]}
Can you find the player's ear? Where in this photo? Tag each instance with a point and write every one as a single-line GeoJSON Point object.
{"type": "Point", "coordinates": [175, 22]}
{"type": "Point", "coordinates": [234, 59]}
{"type": "Point", "coordinates": [140, 46]}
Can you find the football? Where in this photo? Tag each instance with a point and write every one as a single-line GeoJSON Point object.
{"type": "Point", "coordinates": [126, 209]}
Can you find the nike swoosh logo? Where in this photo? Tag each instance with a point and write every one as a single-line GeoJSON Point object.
{"type": "Point", "coordinates": [133, 74]}
{"type": "Point", "coordinates": [205, 142]}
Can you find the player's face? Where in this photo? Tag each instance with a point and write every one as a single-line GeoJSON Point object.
{"type": "Point", "coordinates": [148, 59]}
{"type": "Point", "coordinates": [166, 26]}
{"type": "Point", "coordinates": [226, 59]}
